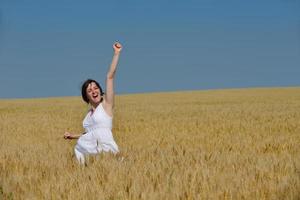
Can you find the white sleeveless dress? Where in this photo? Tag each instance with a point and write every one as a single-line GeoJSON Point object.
{"type": "Point", "coordinates": [98, 136]}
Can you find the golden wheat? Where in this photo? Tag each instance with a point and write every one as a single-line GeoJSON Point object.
{"type": "Point", "coordinates": [219, 144]}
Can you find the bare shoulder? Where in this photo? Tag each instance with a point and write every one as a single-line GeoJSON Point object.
{"type": "Point", "coordinates": [108, 108]}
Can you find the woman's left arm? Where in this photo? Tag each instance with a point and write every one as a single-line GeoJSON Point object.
{"type": "Point", "coordinates": [109, 97]}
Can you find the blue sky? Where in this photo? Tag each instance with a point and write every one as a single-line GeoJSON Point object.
{"type": "Point", "coordinates": [48, 48]}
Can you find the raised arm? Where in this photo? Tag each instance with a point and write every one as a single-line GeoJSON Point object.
{"type": "Point", "coordinates": [109, 97]}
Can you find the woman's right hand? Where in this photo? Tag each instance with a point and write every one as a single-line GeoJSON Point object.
{"type": "Point", "coordinates": [68, 135]}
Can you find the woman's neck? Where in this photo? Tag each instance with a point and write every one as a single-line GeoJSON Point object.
{"type": "Point", "coordinates": [94, 106]}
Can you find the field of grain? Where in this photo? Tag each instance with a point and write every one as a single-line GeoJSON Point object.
{"type": "Point", "coordinates": [218, 144]}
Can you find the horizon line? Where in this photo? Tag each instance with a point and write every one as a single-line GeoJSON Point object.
{"type": "Point", "coordinates": [159, 92]}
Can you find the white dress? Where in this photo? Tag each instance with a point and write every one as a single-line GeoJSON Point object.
{"type": "Point", "coordinates": [98, 136]}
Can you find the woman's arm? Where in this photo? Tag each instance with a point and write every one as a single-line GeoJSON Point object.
{"type": "Point", "coordinates": [109, 97]}
{"type": "Point", "coordinates": [71, 136]}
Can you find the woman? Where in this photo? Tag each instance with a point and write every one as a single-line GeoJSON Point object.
{"type": "Point", "coordinates": [98, 121]}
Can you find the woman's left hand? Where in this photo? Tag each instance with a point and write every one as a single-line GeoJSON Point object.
{"type": "Point", "coordinates": [117, 47]}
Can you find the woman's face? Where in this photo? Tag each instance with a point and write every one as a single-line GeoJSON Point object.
{"type": "Point", "coordinates": [93, 93]}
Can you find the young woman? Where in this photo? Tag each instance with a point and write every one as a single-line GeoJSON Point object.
{"type": "Point", "coordinates": [98, 121]}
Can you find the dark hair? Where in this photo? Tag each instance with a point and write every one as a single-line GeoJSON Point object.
{"type": "Point", "coordinates": [84, 87]}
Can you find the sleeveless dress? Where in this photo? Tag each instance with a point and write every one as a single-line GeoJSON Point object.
{"type": "Point", "coordinates": [98, 136]}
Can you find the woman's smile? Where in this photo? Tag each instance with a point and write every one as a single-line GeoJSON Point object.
{"type": "Point", "coordinates": [93, 93]}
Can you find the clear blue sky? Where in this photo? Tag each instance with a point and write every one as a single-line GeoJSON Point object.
{"type": "Point", "coordinates": [48, 48]}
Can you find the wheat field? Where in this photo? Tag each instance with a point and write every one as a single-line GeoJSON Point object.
{"type": "Point", "coordinates": [214, 144]}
